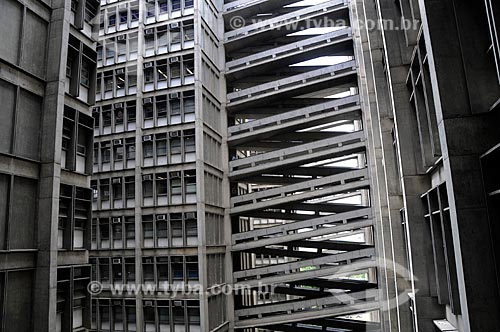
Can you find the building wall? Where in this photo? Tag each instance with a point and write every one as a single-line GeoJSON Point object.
{"type": "Point", "coordinates": [432, 92]}
{"type": "Point", "coordinates": [44, 165]}
{"type": "Point", "coordinates": [158, 166]}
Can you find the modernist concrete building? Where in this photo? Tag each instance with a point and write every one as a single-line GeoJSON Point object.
{"type": "Point", "coordinates": [182, 160]}
{"type": "Point", "coordinates": [159, 184]}
{"type": "Point", "coordinates": [431, 94]}
{"type": "Point", "coordinates": [258, 165]}
{"type": "Point", "coordinates": [47, 84]}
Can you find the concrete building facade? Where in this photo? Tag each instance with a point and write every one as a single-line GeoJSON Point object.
{"type": "Point", "coordinates": [159, 183]}
{"type": "Point", "coordinates": [47, 83]}
{"type": "Point", "coordinates": [249, 165]}
{"type": "Point", "coordinates": [431, 94]}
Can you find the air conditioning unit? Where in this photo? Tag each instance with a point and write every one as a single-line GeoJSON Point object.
{"type": "Point", "coordinates": [174, 95]}
{"type": "Point", "coordinates": [148, 65]}
{"type": "Point", "coordinates": [117, 142]}
{"type": "Point", "coordinates": [175, 59]}
{"type": "Point", "coordinates": [147, 101]}
{"type": "Point", "coordinates": [147, 138]}
{"type": "Point", "coordinates": [122, 37]}
{"type": "Point", "coordinates": [149, 32]}
{"type": "Point", "coordinates": [148, 177]}
{"type": "Point", "coordinates": [175, 134]}
{"type": "Point", "coordinates": [178, 303]}
{"type": "Point", "coordinates": [116, 180]}
{"type": "Point", "coordinates": [118, 106]}
{"type": "Point", "coordinates": [122, 6]}
{"type": "Point", "coordinates": [117, 261]}
{"type": "Point", "coordinates": [95, 110]}
{"type": "Point", "coordinates": [116, 220]}
{"type": "Point", "coordinates": [175, 175]}
{"type": "Point", "coordinates": [191, 215]}
{"type": "Point", "coordinates": [120, 71]}
{"type": "Point", "coordinates": [161, 217]}
{"type": "Point", "coordinates": [174, 25]}
{"type": "Point", "coordinates": [148, 260]}
{"type": "Point", "coordinates": [148, 303]}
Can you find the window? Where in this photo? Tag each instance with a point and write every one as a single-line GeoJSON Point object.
{"type": "Point", "coordinates": [163, 5]}
{"type": "Point", "coordinates": [130, 187]}
{"type": "Point", "coordinates": [123, 17]}
{"type": "Point", "coordinates": [108, 81]}
{"type": "Point", "coordinates": [147, 231]}
{"type": "Point", "coordinates": [134, 11]}
{"type": "Point", "coordinates": [190, 182]}
{"type": "Point", "coordinates": [177, 269]}
{"type": "Point", "coordinates": [111, 20]}
{"type": "Point", "coordinates": [147, 185]}
{"type": "Point", "coordinates": [148, 111]}
{"type": "Point", "coordinates": [161, 145]}
{"type": "Point", "coordinates": [106, 152]}
{"type": "Point", "coordinates": [188, 3]}
{"type": "Point", "coordinates": [69, 67]}
{"type": "Point", "coordinates": [85, 74]}
{"type": "Point", "coordinates": [150, 9]}
{"type": "Point", "coordinates": [175, 183]}
{"type": "Point", "coordinates": [161, 106]}
{"type": "Point", "coordinates": [189, 141]}
{"type": "Point", "coordinates": [132, 78]}
{"type": "Point", "coordinates": [148, 149]}
{"type": "Point", "coordinates": [175, 146]}
{"type": "Point", "coordinates": [162, 269]}
{"type": "Point", "coordinates": [106, 116]}
{"type": "Point", "coordinates": [176, 5]}
{"type": "Point", "coordinates": [118, 116]}
{"type": "Point", "coordinates": [148, 270]}
{"type": "Point", "coordinates": [161, 184]}
{"type": "Point", "coordinates": [130, 149]}
{"type": "Point", "coordinates": [162, 70]}
{"type": "Point", "coordinates": [149, 76]}
{"type": "Point", "coordinates": [192, 268]}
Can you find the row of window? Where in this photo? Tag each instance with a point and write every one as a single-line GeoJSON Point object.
{"type": "Point", "coordinates": [158, 231]}
{"type": "Point", "coordinates": [118, 49]}
{"type": "Point", "coordinates": [74, 217]}
{"type": "Point", "coordinates": [77, 140]}
{"type": "Point", "coordinates": [169, 38]}
{"type": "Point", "coordinates": [161, 10]}
{"type": "Point", "coordinates": [114, 155]}
{"type": "Point", "coordinates": [157, 189]}
{"type": "Point", "coordinates": [158, 150]}
{"type": "Point", "coordinates": [119, 17]}
{"type": "Point", "coordinates": [162, 149]}
{"type": "Point", "coordinates": [83, 13]}
{"type": "Point", "coordinates": [159, 315]}
{"type": "Point", "coordinates": [159, 273]}
{"type": "Point", "coordinates": [158, 111]}
{"type": "Point", "coordinates": [81, 67]}
{"type": "Point", "coordinates": [164, 39]}
{"type": "Point", "coordinates": [160, 74]}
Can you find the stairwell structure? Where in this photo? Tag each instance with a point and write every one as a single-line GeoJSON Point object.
{"type": "Point", "coordinates": [303, 248]}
